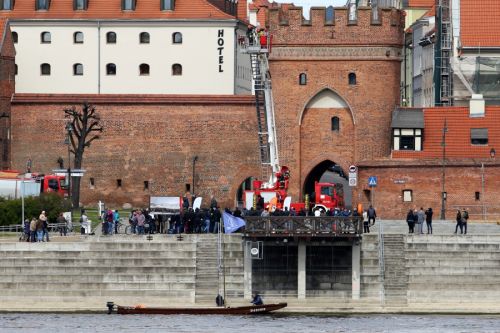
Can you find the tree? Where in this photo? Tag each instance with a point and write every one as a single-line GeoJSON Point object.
{"type": "Point", "coordinates": [85, 128]}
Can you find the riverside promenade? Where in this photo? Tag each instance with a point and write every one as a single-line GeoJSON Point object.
{"type": "Point", "coordinates": [400, 273]}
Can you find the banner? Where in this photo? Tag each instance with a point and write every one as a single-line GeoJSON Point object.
{"type": "Point", "coordinates": [232, 223]}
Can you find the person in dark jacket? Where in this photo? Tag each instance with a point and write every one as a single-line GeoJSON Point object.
{"type": "Point", "coordinates": [372, 215]}
{"type": "Point", "coordinates": [459, 222]}
{"type": "Point", "coordinates": [428, 220]}
{"type": "Point", "coordinates": [410, 219]}
{"type": "Point", "coordinates": [256, 299]}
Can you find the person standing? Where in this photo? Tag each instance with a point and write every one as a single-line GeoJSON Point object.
{"type": "Point", "coordinates": [366, 224]}
{"type": "Point", "coordinates": [116, 220]}
{"type": "Point", "coordinates": [410, 219]}
{"type": "Point", "coordinates": [62, 224]}
{"type": "Point", "coordinates": [84, 223]}
{"type": "Point", "coordinates": [45, 224]}
{"type": "Point", "coordinates": [372, 215]}
{"type": "Point", "coordinates": [420, 220]}
{"type": "Point", "coordinates": [33, 229]}
{"type": "Point", "coordinates": [141, 220]}
{"type": "Point", "coordinates": [459, 222]}
{"type": "Point", "coordinates": [465, 218]}
{"type": "Point", "coordinates": [428, 220]}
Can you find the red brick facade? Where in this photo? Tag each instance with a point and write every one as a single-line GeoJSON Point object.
{"type": "Point", "coordinates": [7, 79]}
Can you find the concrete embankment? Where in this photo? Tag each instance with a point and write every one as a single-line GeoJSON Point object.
{"type": "Point", "coordinates": [443, 272]}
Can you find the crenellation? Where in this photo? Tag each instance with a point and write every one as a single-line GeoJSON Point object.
{"type": "Point", "coordinates": [288, 27]}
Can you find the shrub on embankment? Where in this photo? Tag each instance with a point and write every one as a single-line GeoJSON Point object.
{"type": "Point", "coordinates": [51, 203]}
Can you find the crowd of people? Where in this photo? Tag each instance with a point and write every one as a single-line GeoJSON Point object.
{"type": "Point", "coordinates": [37, 229]}
{"type": "Point", "coordinates": [417, 217]}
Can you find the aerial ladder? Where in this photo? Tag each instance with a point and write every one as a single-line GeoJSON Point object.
{"type": "Point", "coordinates": [258, 50]}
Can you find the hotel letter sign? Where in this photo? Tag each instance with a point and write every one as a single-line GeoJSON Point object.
{"type": "Point", "coordinates": [220, 48]}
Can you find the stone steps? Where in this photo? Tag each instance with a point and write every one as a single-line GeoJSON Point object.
{"type": "Point", "coordinates": [99, 278]}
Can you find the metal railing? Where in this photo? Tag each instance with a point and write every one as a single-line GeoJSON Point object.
{"type": "Point", "coordinates": [303, 225]}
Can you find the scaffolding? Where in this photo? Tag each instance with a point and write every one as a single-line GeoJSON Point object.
{"type": "Point", "coordinates": [444, 74]}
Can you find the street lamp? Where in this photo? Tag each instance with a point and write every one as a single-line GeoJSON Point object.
{"type": "Point", "coordinates": [69, 130]}
{"type": "Point", "coordinates": [195, 158]}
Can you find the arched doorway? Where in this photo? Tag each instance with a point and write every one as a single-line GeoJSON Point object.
{"type": "Point", "coordinates": [328, 172]}
{"type": "Point", "coordinates": [246, 185]}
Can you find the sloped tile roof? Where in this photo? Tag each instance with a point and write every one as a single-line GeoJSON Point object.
{"type": "Point", "coordinates": [421, 3]}
{"type": "Point", "coordinates": [111, 9]}
{"type": "Point", "coordinates": [480, 23]}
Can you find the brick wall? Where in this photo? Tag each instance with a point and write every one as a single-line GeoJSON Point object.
{"type": "Point", "coordinates": [7, 84]}
{"type": "Point", "coordinates": [153, 142]}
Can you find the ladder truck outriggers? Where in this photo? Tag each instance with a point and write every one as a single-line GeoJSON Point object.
{"type": "Point", "coordinates": [272, 189]}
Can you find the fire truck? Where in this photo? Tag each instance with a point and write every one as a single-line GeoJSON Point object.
{"type": "Point", "coordinates": [274, 190]}
{"type": "Point", "coordinates": [13, 184]}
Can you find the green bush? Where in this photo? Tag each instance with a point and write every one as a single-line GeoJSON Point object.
{"type": "Point", "coordinates": [51, 203]}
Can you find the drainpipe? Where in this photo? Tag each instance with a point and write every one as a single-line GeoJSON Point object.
{"type": "Point", "coordinates": [99, 57]}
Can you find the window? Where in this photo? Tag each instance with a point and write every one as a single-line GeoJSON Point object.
{"type": "Point", "coordinates": [146, 185]}
{"type": "Point", "coordinates": [92, 181]}
{"type": "Point", "coordinates": [303, 79]}
{"type": "Point", "coordinates": [80, 4]}
{"type": "Point", "coordinates": [78, 37]}
{"type": "Point", "coordinates": [15, 69]}
{"type": "Point", "coordinates": [45, 69]}
{"type": "Point", "coordinates": [119, 183]}
{"type": "Point", "coordinates": [128, 4]}
{"type": "Point", "coordinates": [176, 69]}
{"type": "Point", "coordinates": [14, 37]}
{"type": "Point", "coordinates": [407, 139]}
{"type": "Point", "coordinates": [477, 196]}
{"type": "Point", "coordinates": [479, 136]}
{"type": "Point", "coordinates": [110, 69]}
{"type": "Point", "coordinates": [42, 4]}
{"type": "Point", "coordinates": [335, 124]}
{"type": "Point", "coordinates": [144, 38]}
{"type": "Point", "coordinates": [407, 195]}
{"type": "Point", "coordinates": [143, 69]}
{"type": "Point", "coordinates": [352, 79]}
{"type": "Point", "coordinates": [329, 15]}
{"type": "Point", "coordinates": [6, 4]}
{"type": "Point", "coordinates": [167, 4]}
{"type": "Point", "coordinates": [77, 69]}
{"type": "Point", "coordinates": [53, 184]}
{"type": "Point", "coordinates": [45, 37]}
{"type": "Point", "coordinates": [111, 38]}
{"type": "Point", "coordinates": [177, 38]}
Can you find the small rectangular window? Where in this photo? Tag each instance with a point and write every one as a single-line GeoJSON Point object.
{"type": "Point", "coordinates": [92, 181]}
{"type": "Point", "coordinates": [479, 136]}
{"type": "Point", "coordinates": [167, 4]}
{"type": "Point", "coordinates": [119, 183]}
{"type": "Point", "coordinates": [42, 4]}
{"type": "Point", "coordinates": [188, 187]}
{"type": "Point", "coordinates": [128, 4]}
{"type": "Point", "coordinates": [477, 196]}
{"type": "Point", "coordinates": [80, 4]}
{"type": "Point", "coordinates": [407, 195]}
{"type": "Point", "coordinates": [6, 4]}
{"type": "Point", "coordinates": [146, 185]}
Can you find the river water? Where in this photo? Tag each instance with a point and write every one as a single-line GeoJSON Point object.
{"type": "Point", "coordinates": [277, 323]}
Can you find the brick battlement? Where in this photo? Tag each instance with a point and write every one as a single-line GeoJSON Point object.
{"type": "Point", "coordinates": [288, 27]}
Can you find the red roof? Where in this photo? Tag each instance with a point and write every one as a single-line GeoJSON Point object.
{"type": "Point", "coordinates": [480, 23]}
{"type": "Point", "coordinates": [421, 3]}
{"type": "Point", "coordinates": [111, 9]}
{"type": "Point", "coordinates": [459, 125]}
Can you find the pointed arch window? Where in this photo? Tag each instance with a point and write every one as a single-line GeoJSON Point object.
{"type": "Point", "coordinates": [352, 79]}
{"type": "Point", "coordinates": [45, 69]}
{"type": "Point", "coordinates": [144, 38]}
{"type": "Point", "coordinates": [45, 37]}
{"type": "Point", "coordinates": [144, 69]}
{"type": "Point", "coordinates": [335, 124]}
{"type": "Point", "coordinates": [177, 38]}
{"type": "Point", "coordinates": [176, 69]}
{"type": "Point", "coordinates": [110, 69]}
{"type": "Point", "coordinates": [78, 37]}
{"type": "Point", "coordinates": [77, 69]}
{"type": "Point", "coordinates": [111, 37]}
{"type": "Point", "coordinates": [303, 79]}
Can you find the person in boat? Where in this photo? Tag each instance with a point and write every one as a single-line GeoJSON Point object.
{"type": "Point", "coordinates": [256, 299]}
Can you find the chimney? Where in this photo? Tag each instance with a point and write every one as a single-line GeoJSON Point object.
{"type": "Point", "coordinates": [476, 106]}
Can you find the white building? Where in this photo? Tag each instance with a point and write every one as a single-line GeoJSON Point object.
{"type": "Point", "coordinates": [125, 47]}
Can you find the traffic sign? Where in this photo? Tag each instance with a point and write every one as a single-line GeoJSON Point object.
{"type": "Point", "coordinates": [353, 181]}
{"type": "Point", "coordinates": [372, 181]}
{"type": "Point", "coordinates": [353, 169]}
